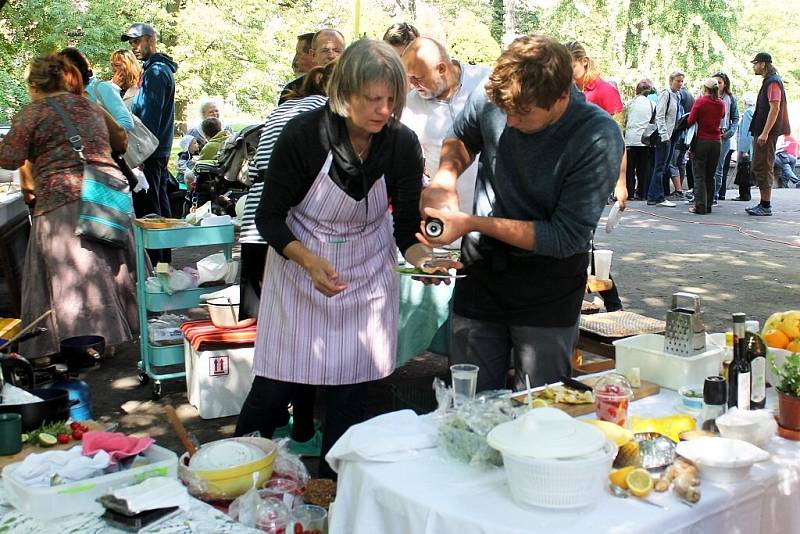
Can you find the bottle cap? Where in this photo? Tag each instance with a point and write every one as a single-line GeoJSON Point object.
{"type": "Point", "coordinates": [739, 317]}
{"type": "Point", "coordinates": [752, 326]}
{"type": "Point", "coordinates": [715, 390]}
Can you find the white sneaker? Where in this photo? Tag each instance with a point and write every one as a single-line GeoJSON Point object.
{"type": "Point", "coordinates": [666, 204]}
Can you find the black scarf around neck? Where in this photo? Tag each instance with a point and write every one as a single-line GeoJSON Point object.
{"type": "Point", "coordinates": [347, 169]}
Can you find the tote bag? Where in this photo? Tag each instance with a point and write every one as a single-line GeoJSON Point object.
{"type": "Point", "coordinates": [141, 141]}
{"type": "Point", "coordinates": [106, 207]}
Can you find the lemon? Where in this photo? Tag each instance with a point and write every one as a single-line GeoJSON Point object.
{"type": "Point", "coordinates": [540, 403]}
{"type": "Point", "coordinates": [618, 476]}
{"type": "Point", "coordinates": [639, 481]}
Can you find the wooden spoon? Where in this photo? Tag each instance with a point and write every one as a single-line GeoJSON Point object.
{"type": "Point", "coordinates": [180, 430]}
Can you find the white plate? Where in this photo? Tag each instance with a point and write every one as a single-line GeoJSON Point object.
{"type": "Point", "coordinates": [614, 216]}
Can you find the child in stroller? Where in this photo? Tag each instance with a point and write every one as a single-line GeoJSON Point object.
{"type": "Point", "coordinates": [223, 179]}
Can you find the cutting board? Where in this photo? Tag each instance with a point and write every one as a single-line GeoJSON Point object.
{"type": "Point", "coordinates": [646, 390]}
{"type": "Point", "coordinates": [28, 449]}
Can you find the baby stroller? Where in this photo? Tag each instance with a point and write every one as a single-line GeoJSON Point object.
{"type": "Point", "coordinates": [225, 180]}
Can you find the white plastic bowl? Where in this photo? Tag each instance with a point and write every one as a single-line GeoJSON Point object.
{"type": "Point", "coordinates": [225, 313]}
{"type": "Point", "coordinates": [721, 459]}
{"type": "Point", "coordinates": [752, 426]}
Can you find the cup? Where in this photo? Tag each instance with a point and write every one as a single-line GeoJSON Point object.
{"type": "Point", "coordinates": [310, 519]}
{"type": "Point", "coordinates": [272, 516]}
{"type": "Point", "coordinates": [283, 489]}
{"type": "Point", "coordinates": [465, 380]}
{"type": "Point", "coordinates": [10, 433]}
{"type": "Point", "coordinates": [602, 264]}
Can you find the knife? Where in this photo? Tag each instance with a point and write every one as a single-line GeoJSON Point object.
{"type": "Point", "coordinates": [575, 384]}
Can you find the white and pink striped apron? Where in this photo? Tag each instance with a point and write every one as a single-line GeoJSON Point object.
{"type": "Point", "coordinates": [308, 338]}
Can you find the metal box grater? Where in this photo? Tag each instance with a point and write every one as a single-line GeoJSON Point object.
{"type": "Point", "coordinates": [685, 333]}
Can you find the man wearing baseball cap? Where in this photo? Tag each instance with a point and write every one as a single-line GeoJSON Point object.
{"type": "Point", "coordinates": [154, 104]}
{"type": "Point", "coordinates": [770, 120]}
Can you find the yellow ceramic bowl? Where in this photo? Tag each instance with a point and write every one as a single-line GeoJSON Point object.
{"type": "Point", "coordinates": [230, 482]}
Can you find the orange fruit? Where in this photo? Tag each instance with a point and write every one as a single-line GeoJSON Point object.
{"type": "Point", "coordinates": [776, 339]}
{"type": "Point", "coordinates": [793, 345]}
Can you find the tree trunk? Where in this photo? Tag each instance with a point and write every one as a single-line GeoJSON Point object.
{"type": "Point", "coordinates": [509, 21]}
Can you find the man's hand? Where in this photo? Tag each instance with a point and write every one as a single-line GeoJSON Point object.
{"type": "Point", "coordinates": [325, 278]}
{"type": "Point", "coordinates": [421, 257]}
{"type": "Point", "coordinates": [456, 224]}
{"type": "Point", "coordinates": [762, 139]}
{"type": "Point", "coordinates": [438, 197]}
{"type": "Point", "coordinates": [621, 194]}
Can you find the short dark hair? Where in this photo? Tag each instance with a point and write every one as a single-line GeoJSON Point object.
{"type": "Point", "coordinates": [534, 70]}
{"type": "Point", "coordinates": [211, 127]}
{"type": "Point", "coordinates": [306, 39]}
{"type": "Point", "coordinates": [400, 33]}
{"type": "Point", "coordinates": [76, 57]}
{"type": "Point", "coordinates": [644, 87]}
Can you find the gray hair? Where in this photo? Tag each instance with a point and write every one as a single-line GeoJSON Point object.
{"type": "Point", "coordinates": [207, 103]}
{"type": "Point", "coordinates": [675, 74]}
{"type": "Point", "coordinates": [365, 62]}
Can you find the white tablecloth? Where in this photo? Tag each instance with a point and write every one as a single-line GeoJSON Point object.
{"type": "Point", "coordinates": [432, 493]}
{"type": "Point", "coordinates": [199, 519]}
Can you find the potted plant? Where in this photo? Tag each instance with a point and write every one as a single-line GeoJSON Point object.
{"type": "Point", "coordinates": [788, 391]}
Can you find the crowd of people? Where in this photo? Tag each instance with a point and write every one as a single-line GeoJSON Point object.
{"type": "Point", "coordinates": [517, 161]}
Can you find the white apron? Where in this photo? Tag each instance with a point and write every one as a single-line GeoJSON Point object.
{"type": "Point", "coordinates": [308, 338]}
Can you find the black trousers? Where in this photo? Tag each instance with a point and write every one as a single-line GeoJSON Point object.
{"type": "Point", "coordinates": [265, 408]}
{"type": "Point", "coordinates": [639, 170]}
{"type": "Point", "coordinates": [704, 165]}
{"type": "Point", "coordinates": [155, 200]}
{"type": "Point", "coordinates": [253, 258]}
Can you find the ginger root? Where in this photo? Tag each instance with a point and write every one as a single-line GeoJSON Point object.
{"type": "Point", "coordinates": [683, 476]}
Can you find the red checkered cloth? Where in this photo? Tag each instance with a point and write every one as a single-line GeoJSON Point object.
{"type": "Point", "coordinates": [202, 333]}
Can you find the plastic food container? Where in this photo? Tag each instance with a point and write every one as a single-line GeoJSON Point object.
{"type": "Point", "coordinates": [552, 460]}
{"type": "Point", "coordinates": [612, 397]}
{"type": "Point", "coordinates": [646, 352]}
{"type": "Point", "coordinates": [79, 497]}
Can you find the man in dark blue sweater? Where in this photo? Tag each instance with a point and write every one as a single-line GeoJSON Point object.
{"type": "Point", "coordinates": [548, 161]}
{"type": "Point", "coordinates": [154, 104]}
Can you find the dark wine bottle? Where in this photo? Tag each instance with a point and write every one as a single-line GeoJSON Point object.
{"type": "Point", "coordinates": [739, 370]}
{"type": "Point", "coordinates": [756, 352]}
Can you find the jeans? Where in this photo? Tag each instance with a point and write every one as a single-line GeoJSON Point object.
{"type": "Point", "coordinates": [725, 145]}
{"type": "Point", "coordinates": [542, 353]}
{"type": "Point", "coordinates": [787, 163]}
{"type": "Point", "coordinates": [655, 193]}
{"type": "Point", "coordinates": [155, 200]}
{"type": "Point", "coordinates": [704, 161]}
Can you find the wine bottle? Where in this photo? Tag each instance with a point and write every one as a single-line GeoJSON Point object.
{"type": "Point", "coordinates": [756, 352]}
{"type": "Point", "coordinates": [739, 370]}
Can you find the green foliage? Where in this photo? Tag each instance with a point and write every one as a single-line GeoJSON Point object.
{"type": "Point", "coordinates": [789, 374]}
{"type": "Point", "coordinates": [240, 51]}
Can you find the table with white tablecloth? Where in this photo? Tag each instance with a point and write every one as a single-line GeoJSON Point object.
{"type": "Point", "coordinates": [424, 491]}
{"type": "Point", "coordinates": [199, 518]}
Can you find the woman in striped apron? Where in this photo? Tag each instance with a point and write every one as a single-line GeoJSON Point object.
{"type": "Point", "coordinates": [329, 300]}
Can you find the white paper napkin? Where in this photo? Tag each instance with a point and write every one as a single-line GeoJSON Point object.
{"type": "Point", "coordinates": [391, 437]}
